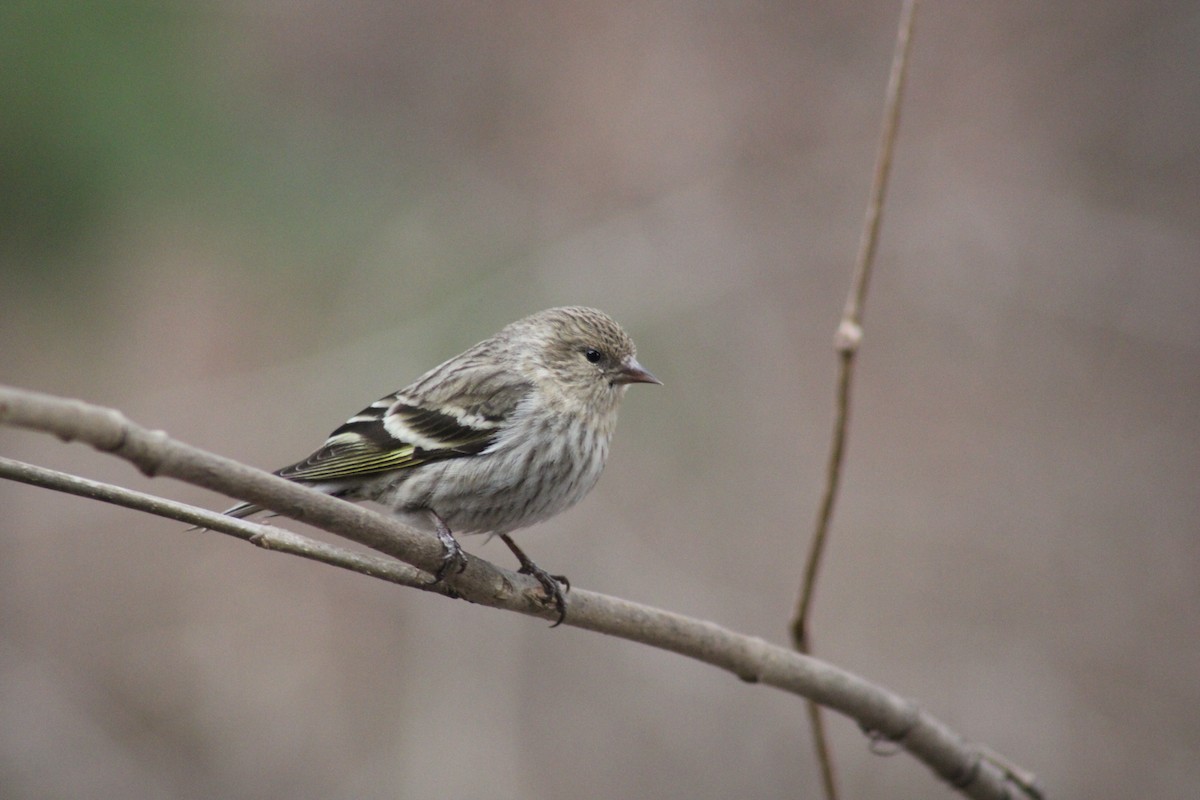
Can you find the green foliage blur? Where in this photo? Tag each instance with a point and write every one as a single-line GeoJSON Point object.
{"type": "Point", "coordinates": [100, 108]}
{"type": "Point", "coordinates": [120, 115]}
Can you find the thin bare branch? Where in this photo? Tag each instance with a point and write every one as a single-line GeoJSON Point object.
{"type": "Point", "coordinates": [875, 709]}
{"type": "Point", "coordinates": [846, 342]}
{"type": "Point", "coordinates": [268, 537]}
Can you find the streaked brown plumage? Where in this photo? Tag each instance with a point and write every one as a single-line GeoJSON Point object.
{"type": "Point", "coordinates": [508, 433]}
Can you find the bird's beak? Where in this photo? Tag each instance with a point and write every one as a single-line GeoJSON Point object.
{"type": "Point", "coordinates": [633, 372]}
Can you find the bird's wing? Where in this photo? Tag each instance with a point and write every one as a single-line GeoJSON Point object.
{"type": "Point", "coordinates": [460, 415]}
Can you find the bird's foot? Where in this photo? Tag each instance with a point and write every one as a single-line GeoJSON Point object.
{"type": "Point", "coordinates": [454, 560]}
{"type": "Point", "coordinates": [555, 586]}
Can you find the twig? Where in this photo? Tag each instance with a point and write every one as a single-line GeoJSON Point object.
{"type": "Point", "coordinates": [875, 709]}
{"type": "Point", "coordinates": [846, 342]}
{"type": "Point", "coordinates": [268, 537]}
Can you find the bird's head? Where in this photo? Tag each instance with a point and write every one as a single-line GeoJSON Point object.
{"type": "Point", "coordinates": [585, 353]}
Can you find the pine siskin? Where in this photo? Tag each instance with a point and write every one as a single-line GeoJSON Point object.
{"type": "Point", "coordinates": [509, 433]}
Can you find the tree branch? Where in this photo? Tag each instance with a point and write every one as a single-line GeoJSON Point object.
{"type": "Point", "coordinates": [846, 342]}
{"type": "Point", "coordinates": [878, 711]}
{"type": "Point", "coordinates": [268, 537]}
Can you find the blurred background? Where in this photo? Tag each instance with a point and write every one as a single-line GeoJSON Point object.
{"type": "Point", "coordinates": [241, 222]}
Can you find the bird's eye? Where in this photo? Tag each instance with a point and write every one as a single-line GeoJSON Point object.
{"type": "Point", "coordinates": [593, 355]}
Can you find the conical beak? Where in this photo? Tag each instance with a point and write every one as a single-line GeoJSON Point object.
{"type": "Point", "coordinates": [633, 372]}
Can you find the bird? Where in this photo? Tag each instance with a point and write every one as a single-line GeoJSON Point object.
{"type": "Point", "coordinates": [508, 433]}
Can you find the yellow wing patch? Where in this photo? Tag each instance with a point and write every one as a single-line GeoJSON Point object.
{"type": "Point", "coordinates": [337, 462]}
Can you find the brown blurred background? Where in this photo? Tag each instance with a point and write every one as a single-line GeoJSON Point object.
{"type": "Point", "coordinates": [241, 222]}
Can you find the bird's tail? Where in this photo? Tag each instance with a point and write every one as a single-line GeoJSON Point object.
{"type": "Point", "coordinates": [242, 510]}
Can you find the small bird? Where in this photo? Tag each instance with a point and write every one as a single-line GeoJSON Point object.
{"type": "Point", "coordinates": [509, 433]}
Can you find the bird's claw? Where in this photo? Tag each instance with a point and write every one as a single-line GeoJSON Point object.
{"type": "Point", "coordinates": [550, 583]}
{"type": "Point", "coordinates": [454, 560]}
{"type": "Point", "coordinates": [555, 587]}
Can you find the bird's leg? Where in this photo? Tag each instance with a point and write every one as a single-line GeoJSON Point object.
{"type": "Point", "coordinates": [550, 583]}
{"type": "Point", "coordinates": [454, 560]}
